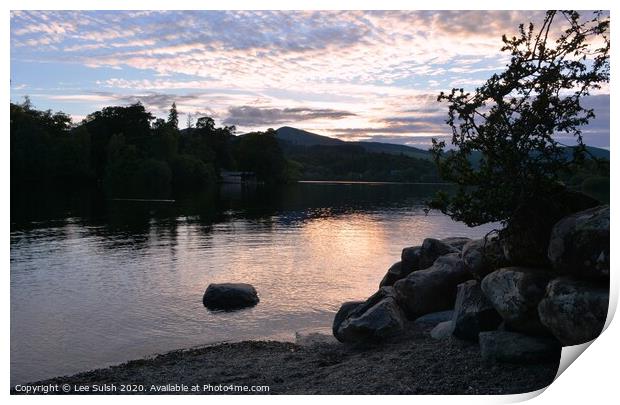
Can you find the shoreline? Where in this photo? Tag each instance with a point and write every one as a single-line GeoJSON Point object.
{"type": "Point", "coordinates": [413, 363]}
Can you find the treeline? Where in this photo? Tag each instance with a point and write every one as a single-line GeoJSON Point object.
{"type": "Point", "coordinates": [353, 162]}
{"type": "Point", "coordinates": [129, 152]}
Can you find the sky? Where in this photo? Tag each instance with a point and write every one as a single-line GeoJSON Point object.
{"type": "Point", "coordinates": [354, 75]}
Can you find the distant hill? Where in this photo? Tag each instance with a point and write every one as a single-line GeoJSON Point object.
{"type": "Point", "coordinates": [304, 138]}
{"type": "Point", "coordinates": [599, 153]}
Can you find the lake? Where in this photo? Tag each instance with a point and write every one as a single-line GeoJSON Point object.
{"type": "Point", "coordinates": [96, 281]}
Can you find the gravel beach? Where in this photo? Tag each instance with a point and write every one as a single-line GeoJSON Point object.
{"type": "Point", "coordinates": [413, 363]}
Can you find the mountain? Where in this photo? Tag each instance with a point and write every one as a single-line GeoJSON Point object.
{"type": "Point", "coordinates": [304, 138]}
{"type": "Point", "coordinates": [598, 153]}
{"type": "Point", "coordinates": [300, 137]}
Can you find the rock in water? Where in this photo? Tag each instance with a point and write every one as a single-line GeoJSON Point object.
{"type": "Point", "coordinates": [482, 256]}
{"type": "Point", "coordinates": [473, 313]}
{"type": "Point", "coordinates": [512, 347]}
{"type": "Point", "coordinates": [434, 289]}
{"type": "Point", "coordinates": [230, 296]}
{"type": "Point", "coordinates": [574, 310]}
{"type": "Point", "coordinates": [380, 321]}
{"type": "Point", "coordinates": [579, 244]}
{"type": "Point", "coordinates": [515, 293]}
{"type": "Point", "coordinates": [394, 273]}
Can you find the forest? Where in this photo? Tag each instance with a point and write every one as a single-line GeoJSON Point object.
{"type": "Point", "coordinates": [129, 152]}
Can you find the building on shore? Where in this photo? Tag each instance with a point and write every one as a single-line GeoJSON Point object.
{"type": "Point", "coordinates": [229, 177]}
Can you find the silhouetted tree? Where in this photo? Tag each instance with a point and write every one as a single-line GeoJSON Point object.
{"type": "Point", "coordinates": [260, 152]}
{"type": "Point", "coordinates": [173, 116]}
{"type": "Point", "coordinates": [512, 121]}
{"type": "Point", "coordinates": [206, 123]}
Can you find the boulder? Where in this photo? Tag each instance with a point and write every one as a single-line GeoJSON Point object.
{"type": "Point", "coordinates": [434, 289]}
{"type": "Point", "coordinates": [512, 347]}
{"type": "Point", "coordinates": [456, 242]}
{"type": "Point", "coordinates": [422, 257]}
{"type": "Point", "coordinates": [433, 249]}
{"type": "Point", "coordinates": [482, 256]}
{"type": "Point", "coordinates": [435, 318]}
{"type": "Point", "coordinates": [473, 313]}
{"type": "Point", "coordinates": [573, 310]}
{"type": "Point", "coordinates": [443, 330]}
{"type": "Point", "coordinates": [394, 273]}
{"type": "Point", "coordinates": [579, 244]}
{"type": "Point", "coordinates": [410, 258]}
{"type": "Point", "coordinates": [515, 293]}
{"type": "Point", "coordinates": [381, 321]}
{"type": "Point", "coordinates": [230, 296]}
{"type": "Point", "coordinates": [343, 313]}
{"type": "Point", "coordinates": [525, 240]}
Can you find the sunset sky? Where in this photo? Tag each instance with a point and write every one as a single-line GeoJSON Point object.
{"type": "Point", "coordinates": [355, 75]}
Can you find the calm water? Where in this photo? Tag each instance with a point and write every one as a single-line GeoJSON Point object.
{"type": "Point", "coordinates": [96, 282]}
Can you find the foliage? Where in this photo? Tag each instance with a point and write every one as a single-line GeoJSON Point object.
{"type": "Point", "coordinates": [188, 172]}
{"type": "Point", "coordinates": [45, 147]}
{"type": "Point", "coordinates": [173, 117]}
{"type": "Point", "coordinates": [260, 152]}
{"type": "Point", "coordinates": [353, 162]}
{"type": "Point", "coordinates": [512, 121]}
{"type": "Point", "coordinates": [131, 153]}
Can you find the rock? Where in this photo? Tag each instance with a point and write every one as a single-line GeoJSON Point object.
{"type": "Point", "coordinates": [230, 296]}
{"type": "Point", "coordinates": [313, 338]}
{"type": "Point", "coordinates": [343, 313]}
{"type": "Point", "coordinates": [433, 249]}
{"type": "Point", "coordinates": [526, 240]}
{"type": "Point", "coordinates": [356, 309]}
{"type": "Point", "coordinates": [512, 347]}
{"type": "Point", "coordinates": [456, 242]}
{"type": "Point", "coordinates": [482, 256]}
{"type": "Point", "coordinates": [422, 257]}
{"type": "Point", "coordinates": [443, 330]}
{"type": "Point", "coordinates": [574, 310]}
{"type": "Point", "coordinates": [473, 313]}
{"type": "Point", "coordinates": [435, 318]}
{"type": "Point", "coordinates": [410, 258]}
{"type": "Point", "coordinates": [394, 273]}
{"type": "Point", "coordinates": [579, 244]}
{"type": "Point", "coordinates": [515, 293]}
{"type": "Point", "coordinates": [381, 321]}
{"type": "Point", "coordinates": [434, 289]}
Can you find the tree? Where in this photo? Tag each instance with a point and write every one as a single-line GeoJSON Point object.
{"type": "Point", "coordinates": [190, 121]}
{"type": "Point", "coordinates": [173, 116]}
{"type": "Point", "coordinates": [260, 152]}
{"type": "Point", "coordinates": [507, 160]}
{"type": "Point", "coordinates": [206, 123]}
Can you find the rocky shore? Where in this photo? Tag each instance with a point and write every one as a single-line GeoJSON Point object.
{"type": "Point", "coordinates": [453, 316]}
{"type": "Point", "coordinates": [518, 307]}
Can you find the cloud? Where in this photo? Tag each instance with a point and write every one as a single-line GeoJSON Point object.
{"type": "Point", "coordinates": [374, 73]}
{"type": "Point", "coordinates": [257, 116]}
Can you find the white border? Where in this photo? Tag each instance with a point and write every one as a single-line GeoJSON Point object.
{"type": "Point", "coordinates": [592, 379]}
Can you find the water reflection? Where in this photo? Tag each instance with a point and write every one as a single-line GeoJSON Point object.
{"type": "Point", "coordinates": [96, 282]}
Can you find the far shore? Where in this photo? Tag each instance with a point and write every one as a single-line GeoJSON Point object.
{"type": "Point", "coordinates": [413, 363]}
